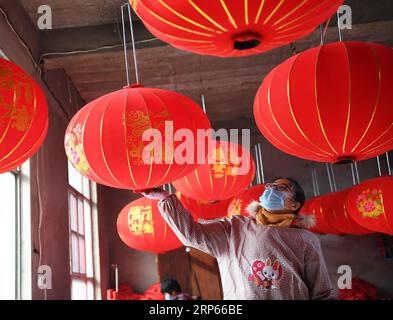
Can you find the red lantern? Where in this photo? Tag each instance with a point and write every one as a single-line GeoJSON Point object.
{"type": "Point", "coordinates": [141, 227]}
{"type": "Point", "coordinates": [337, 215]}
{"type": "Point", "coordinates": [239, 203]}
{"type": "Point", "coordinates": [104, 139]}
{"type": "Point", "coordinates": [23, 116]}
{"type": "Point", "coordinates": [332, 103]}
{"type": "Point", "coordinates": [228, 170]}
{"type": "Point", "coordinates": [370, 204]}
{"type": "Point", "coordinates": [206, 210]}
{"type": "Point", "coordinates": [228, 28]}
{"type": "Point", "coordinates": [315, 206]}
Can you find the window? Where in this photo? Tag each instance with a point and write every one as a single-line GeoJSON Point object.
{"type": "Point", "coordinates": [15, 235]}
{"type": "Point", "coordinates": [82, 209]}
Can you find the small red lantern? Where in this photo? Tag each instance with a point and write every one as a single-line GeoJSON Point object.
{"type": "Point", "coordinates": [228, 28]}
{"type": "Point", "coordinates": [23, 116]}
{"type": "Point", "coordinates": [315, 206]}
{"type": "Point", "coordinates": [229, 169]}
{"type": "Point", "coordinates": [370, 204]}
{"type": "Point", "coordinates": [337, 215]}
{"type": "Point", "coordinates": [332, 103]}
{"type": "Point", "coordinates": [206, 210]}
{"type": "Point", "coordinates": [104, 140]}
{"type": "Point", "coordinates": [141, 227]}
{"type": "Point", "coordinates": [239, 203]}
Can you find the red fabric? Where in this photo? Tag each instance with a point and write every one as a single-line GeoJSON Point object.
{"type": "Point", "coordinates": [23, 116]}
{"type": "Point", "coordinates": [127, 293]}
{"type": "Point", "coordinates": [104, 139]}
{"type": "Point", "coordinates": [141, 226]}
{"type": "Point", "coordinates": [337, 216]}
{"type": "Point", "coordinates": [315, 206]}
{"type": "Point", "coordinates": [206, 210]}
{"type": "Point", "coordinates": [370, 204]}
{"type": "Point", "coordinates": [212, 27]}
{"type": "Point", "coordinates": [239, 203]}
{"type": "Point", "coordinates": [220, 177]}
{"type": "Point", "coordinates": [331, 103]}
{"type": "Point", "coordinates": [361, 290]}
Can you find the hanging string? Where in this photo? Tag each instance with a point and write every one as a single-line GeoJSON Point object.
{"type": "Point", "coordinates": [379, 166]}
{"type": "Point", "coordinates": [125, 43]}
{"type": "Point", "coordinates": [323, 31]}
{"type": "Point", "coordinates": [314, 187]}
{"type": "Point", "coordinates": [329, 177]}
{"type": "Point", "coordinates": [261, 163]}
{"type": "Point", "coordinates": [133, 43]}
{"type": "Point", "coordinates": [357, 172]}
{"type": "Point", "coordinates": [339, 27]}
{"type": "Point", "coordinates": [333, 177]}
{"type": "Point", "coordinates": [203, 104]}
{"type": "Point", "coordinates": [388, 163]}
{"type": "Point", "coordinates": [257, 163]}
{"type": "Point", "coordinates": [353, 175]}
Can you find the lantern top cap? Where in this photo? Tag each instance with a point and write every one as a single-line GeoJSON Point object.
{"type": "Point", "coordinates": [133, 86]}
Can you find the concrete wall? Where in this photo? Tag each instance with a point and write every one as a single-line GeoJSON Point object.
{"type": "Point", "coordinates": [363, 255]}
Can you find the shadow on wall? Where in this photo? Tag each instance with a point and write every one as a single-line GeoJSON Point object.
{"type": "Point", "coordinates": [363, 255]}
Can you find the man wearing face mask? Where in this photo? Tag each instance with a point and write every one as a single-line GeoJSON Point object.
{"type": "Point", "coordinates": [265, 256]}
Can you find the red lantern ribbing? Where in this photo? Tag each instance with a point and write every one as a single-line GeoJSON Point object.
{"type": "Point", "coordinates": [229, 169]}
{"type": "Point", "coordinates": [370, 204]}
{"type": "Point", "coordinates": [239, 203]}
{"type": "Point", "coordinates": [332, 103]}
{"type": "Point", "coordinates": [205, 210]}
{"type": "Point", "coordinates": [232, 28]}
{"type": "Point", "coordinates": [23, 116]}
{"type": "Point", "coordinates": [104, 140]}
{"type": "Point", "coordinates": [141, 227]}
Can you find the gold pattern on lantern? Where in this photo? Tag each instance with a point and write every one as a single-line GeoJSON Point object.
{"type": "Point", "coordinates": [136, 123]}
{"type": "Point", "coordinates": [224, 163]}
{"type": "Point", "coordinates": [369, 203]}
{"type": "Point", "coordinates": [16, 113]}
{"type": "Point", "coordinates": [140, 220]}
{"type": "Point", "coordinates": [75, 151]}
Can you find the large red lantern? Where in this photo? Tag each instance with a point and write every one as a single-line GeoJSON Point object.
{"type": "Point", "coordinates": [332, 103]}
{"type": "Point", "coordinates": [239, 204]}
{"type": "Point", "coordinates": [104, 140]}
{"type": "Point", "coordinates": [337, 216]}
{"type": "Point", "coordinates": [205, 210]}
{"type": "Point", "coordinates": [141, 226]}
{"type": "Point", "coordinates": [23, 116]}
{"type": "Point", "coordinates": [229, 169]}
{"type": "Point", "coordinates": [315, 207]}
{"type": "Point", "coordinates": [228, 28]}
{"type": "Point", "coordinates": [370, 204]}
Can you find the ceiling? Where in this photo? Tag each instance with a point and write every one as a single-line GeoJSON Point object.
{"type": "Point", "coordinates": [87, 43]}
{"type": "Point", "coordinates": [77, 13]}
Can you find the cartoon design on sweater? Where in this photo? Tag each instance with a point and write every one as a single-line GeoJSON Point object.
{"type": "Point", "coordinates": [266, 274]}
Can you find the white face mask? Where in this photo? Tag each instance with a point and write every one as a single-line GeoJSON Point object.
{"type": "Point", "coordinates": [168, 296]}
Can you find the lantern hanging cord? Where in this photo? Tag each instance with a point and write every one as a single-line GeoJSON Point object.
{"type": "Point", "coordinates": [339, 27]}
{"type": "Point", "coordinates": [132, 42]}
{"type": "Point", "coordinates": [323, 30]}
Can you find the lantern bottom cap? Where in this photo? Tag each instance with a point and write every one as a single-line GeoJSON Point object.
{"type": "Point", "coordinates": [246, 41]}
{"type": "Point", "coordinates": [345, 160]}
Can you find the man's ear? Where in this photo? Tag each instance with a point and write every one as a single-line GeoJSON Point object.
{"type": "Point", "coordinates": [292, 204]}
{"type": "Point", "coordinates": [295, 205]}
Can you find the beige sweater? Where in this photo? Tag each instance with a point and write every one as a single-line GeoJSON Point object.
{"type": "Point", "coordinates": [255, 261]}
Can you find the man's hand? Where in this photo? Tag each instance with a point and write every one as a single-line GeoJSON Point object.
{"type": "Point", "coordinates": [153, 194]}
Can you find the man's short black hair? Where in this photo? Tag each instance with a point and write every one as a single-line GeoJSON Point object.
{"type": "Point", "coordinates": [169, 285]}
{"type": "Point", "coordinates": [298, 192]}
